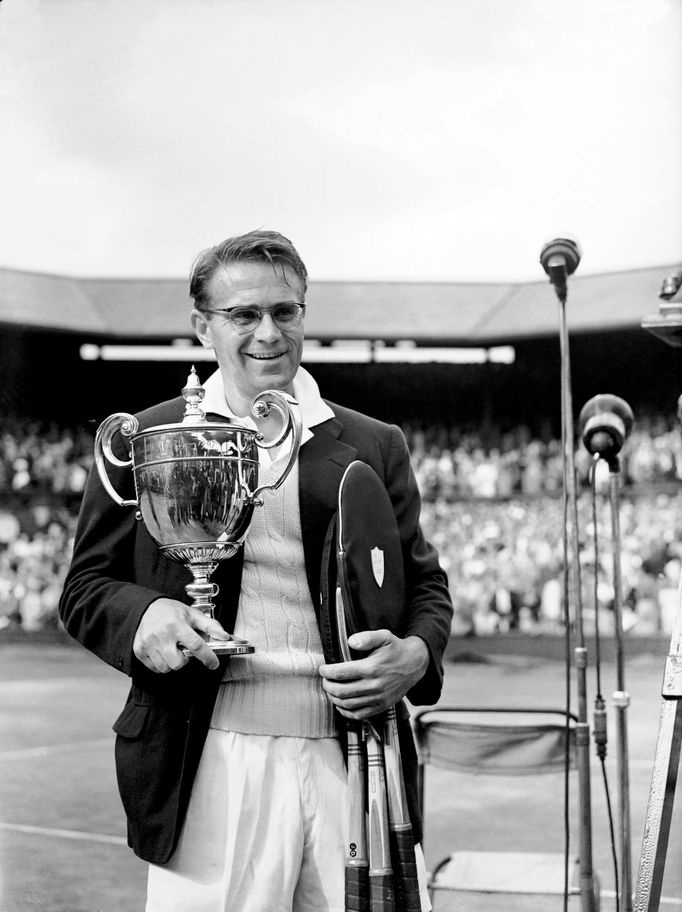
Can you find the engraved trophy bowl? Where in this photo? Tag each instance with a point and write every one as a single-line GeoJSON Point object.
{"type": "Point", "coordinates": [196, 484]}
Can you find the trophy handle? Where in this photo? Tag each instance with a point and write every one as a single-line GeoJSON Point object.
{"type": "Point", "coordinates": [287, 407]}
{"type": "Point", "coordinates": [128, 426]}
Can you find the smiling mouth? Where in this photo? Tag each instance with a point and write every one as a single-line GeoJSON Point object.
{"type": "Point", "coordinates": [264, 357]}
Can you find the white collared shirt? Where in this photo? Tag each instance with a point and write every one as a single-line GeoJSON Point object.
{"type": "Point", "coordinates": [314, 410]}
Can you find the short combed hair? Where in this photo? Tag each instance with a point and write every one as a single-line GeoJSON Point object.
{"type": "Point", "coordinates": [257, 247]}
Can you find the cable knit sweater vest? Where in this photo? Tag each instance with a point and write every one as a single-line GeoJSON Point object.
{"type": "Point", "coordinates": [277, 690]}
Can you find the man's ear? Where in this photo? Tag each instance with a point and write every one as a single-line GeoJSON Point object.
{"type": "Point", "coordinates": [202, 328]}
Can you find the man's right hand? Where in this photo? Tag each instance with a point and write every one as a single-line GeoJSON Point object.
{"type": "Point", "coordinates": [167, 627]}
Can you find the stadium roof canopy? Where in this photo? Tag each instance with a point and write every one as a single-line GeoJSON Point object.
{"type": "Point", "coordinates": [447, 313]}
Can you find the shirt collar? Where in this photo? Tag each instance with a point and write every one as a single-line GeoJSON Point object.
{"type": "Point", "coordinates": [314, 410]}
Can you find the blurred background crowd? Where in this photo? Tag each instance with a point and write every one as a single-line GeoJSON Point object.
{"type": "Point", "coordinates": [492, 505]}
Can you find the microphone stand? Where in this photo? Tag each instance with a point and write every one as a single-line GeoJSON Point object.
{"type": "Point", "coordinates": [559, 258]}
{"type": "Point", "coordinates": [605, 421]}
{"type": "Point", "coordinates": [572, 571]}
{"type": "Point", "coordinates": [621, 698]}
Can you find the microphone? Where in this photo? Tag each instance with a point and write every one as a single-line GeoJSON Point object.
{"type": "Point", "coordinates": [671, 285]}
{"type": "Point", "coordinates": [605, 422]}
{"type": "Point", "coordinates": [559, 258]}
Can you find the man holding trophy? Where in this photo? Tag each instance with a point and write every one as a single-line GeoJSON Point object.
{"type": "Point", "coordinates": [232, 770]}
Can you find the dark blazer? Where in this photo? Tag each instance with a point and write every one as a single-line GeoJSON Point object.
{"type": "Point", "coordinates": [117, 571]}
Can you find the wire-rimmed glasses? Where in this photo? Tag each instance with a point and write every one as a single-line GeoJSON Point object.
{"type": "Point", "coordinates": [245, 319]}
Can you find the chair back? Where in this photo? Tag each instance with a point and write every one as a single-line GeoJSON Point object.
{"type": "Point", "coordinates": [496, 741]}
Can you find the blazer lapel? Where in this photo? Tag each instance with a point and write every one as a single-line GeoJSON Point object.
{"type": "Point", "coordinates": [322, 462]}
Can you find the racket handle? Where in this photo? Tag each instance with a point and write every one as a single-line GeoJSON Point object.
{"type": "Point", "coordinates": [356, 852]}
{"type": "Point", "coordinates": [382, 895]}
{"type": "Point", "coordinates": [379, 849]}
{"type": "Point", "coordinates": [356, 889]}
{"type": "Point", "coordinates": [381, 889]}
{"type": "Point", "coordinates": [403, 861]}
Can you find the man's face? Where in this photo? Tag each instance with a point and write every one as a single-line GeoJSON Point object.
{"type": "Point", "coordinates": [265, 358]}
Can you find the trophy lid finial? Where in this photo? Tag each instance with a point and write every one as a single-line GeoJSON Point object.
{"type": "Point", "coordinates": [193, 393]}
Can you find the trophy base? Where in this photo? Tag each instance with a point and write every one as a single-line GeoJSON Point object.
{"type": "Point", "coordinates": [226, 647]}
{"type": "Point", "coordinates": [230, 647]}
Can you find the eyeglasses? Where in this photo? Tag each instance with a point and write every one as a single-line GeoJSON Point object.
{"type": "Point", "coordinates": [245, 319]}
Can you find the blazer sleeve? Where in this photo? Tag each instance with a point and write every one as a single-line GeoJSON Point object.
{"type": "Point", "coordinates": [429, 606]}
{"type": "Point", "coordinates": [109, 584]}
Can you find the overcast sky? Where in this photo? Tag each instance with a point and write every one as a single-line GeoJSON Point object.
{"type": "Point", "coordinates": [390, 139]}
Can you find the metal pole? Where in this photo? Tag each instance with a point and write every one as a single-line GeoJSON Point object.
{"type": "Point", "coordinates": [621, 698]}
{"type": "Point", "coordinates": [572, 560]}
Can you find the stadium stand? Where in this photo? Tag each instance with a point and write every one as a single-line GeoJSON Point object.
{"type": "Point", "coordinates": [483, 436]}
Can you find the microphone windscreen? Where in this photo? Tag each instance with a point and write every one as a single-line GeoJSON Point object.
{"type": "Point", "coordinates": [565, 247]}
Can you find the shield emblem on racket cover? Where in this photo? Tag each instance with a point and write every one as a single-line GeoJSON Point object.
{"type": "Point", "coordinates": [377, 557]}
{"type": "Point", "coordinates": [363, 557]}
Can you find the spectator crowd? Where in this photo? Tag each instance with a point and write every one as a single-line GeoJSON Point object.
{"type": "Point", "coordinates": [43, 469]}
{"type": "Point", "coordinates": [491, 505]}
{"type": "Point", "coordinates": [456, 464]}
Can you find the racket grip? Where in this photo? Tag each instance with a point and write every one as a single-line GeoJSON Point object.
{"type": "Point", "coordinates": [381, 892]}
{"type": "Point", "coordinates": [357, 889]}
{"type": "Point", "coordinates": [408, 897]}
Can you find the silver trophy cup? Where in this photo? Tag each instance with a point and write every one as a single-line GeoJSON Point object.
{"type": "Point", "coordinates": [197, 484]}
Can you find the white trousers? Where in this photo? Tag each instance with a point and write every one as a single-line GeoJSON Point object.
{"type": "Point", "coordinates": [265, 830]}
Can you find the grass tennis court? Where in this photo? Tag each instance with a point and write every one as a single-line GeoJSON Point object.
{"type": "Point", "coordinates": [62, 830]}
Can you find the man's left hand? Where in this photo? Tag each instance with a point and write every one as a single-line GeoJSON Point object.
{"type": "Point", "coordinates": [367, 686]}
